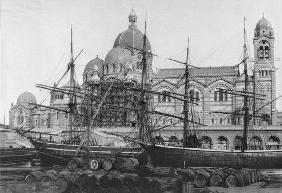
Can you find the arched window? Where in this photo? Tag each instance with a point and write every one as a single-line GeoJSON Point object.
{"type": "Point", "coordinates": [114, 68]}
{"type": "Point", "coordinates": [255, 143]}
{"type": "Point", "coordinates": [215, 95]}
{"type": "Point", "coordinates": [220, 120]}
{"type": "Point", "coordinates": [159, 98]}
{"type": "Point", "coordinates": [264, 50]}
{"type": "Point", "coordinates": [273, 142]}
{"type": "Point", "coordinates": [206, 142]}
{"type": "Point", "coordinates": [197, 96]}
{"type": "Point", "coordinates": [222, 142]}
{"type": "Point", "coordinates": [191, 93]}
{"type": "Point", "coordinates": [173, 141]}
{"type": "Point", "coordinates": [103, 69]}
{"type": "Point", "coordinates": [107, 69]}
{"type": "Point", "coordinates": [220, 98]}
{"type": "Point", "coordinates": [226, 96]}
{"type": "Point", "coordinates": [159, 140]}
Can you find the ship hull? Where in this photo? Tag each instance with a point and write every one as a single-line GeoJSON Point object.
{"type": "Point", "coordinates": [60, 154]}
{"type": "Point", "coordinates": [16, 155]}
{"type": "Point", "coordinates": [194, 157]}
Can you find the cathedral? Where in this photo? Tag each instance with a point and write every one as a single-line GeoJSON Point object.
{"type": "Point", "coordinates": [218, 111]}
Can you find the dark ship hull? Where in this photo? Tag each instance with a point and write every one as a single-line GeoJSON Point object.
{"type": "Point", "coordinates": [194, 157]}
{"type": "Point", "coordinates": [16, 155]}
{"type": "Point", "coordinates": [60, 154]}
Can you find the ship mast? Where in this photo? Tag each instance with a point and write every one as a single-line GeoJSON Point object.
{"type": "Point", "coordinates": [185, 108]}
{"type": "Point", "coordinates": [246, 107]}
{"type": "Point", "coordinates": [144, 87]}
{"type": "Point", "coordinates": [72, 97]}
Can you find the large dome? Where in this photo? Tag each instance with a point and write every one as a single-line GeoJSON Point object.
{"type": "Point", "coordinates": [26, 98]}
{"type": "Point", "coordinates": [119, 55]}
{"type": "Point", "coordinates": [93, 65]}
{"type": "Point", "coordinates": [263, 27]}
{"type": "Point", "coordinates": [132, 37]}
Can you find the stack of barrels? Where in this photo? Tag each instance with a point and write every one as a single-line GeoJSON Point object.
{"type": "Point", "coordinates": [126, 175]}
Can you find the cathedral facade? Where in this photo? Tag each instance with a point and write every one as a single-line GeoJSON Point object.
{"type": "Point", "coordinates": [207, 86]}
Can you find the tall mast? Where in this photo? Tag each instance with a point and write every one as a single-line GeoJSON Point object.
{"type": "Point", "coordinates": [143, 87]}
{"type": "Point", "coordinates": [246, 107]}
{"type": "Point", "coordinates": [72, 98]}
{"type": "Point", "coordinates": [254, 96]}
{"type": "Point", "coordinates": [185, 108]}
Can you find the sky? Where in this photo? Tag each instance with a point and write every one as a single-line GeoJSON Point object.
{"type": "Point", "coordinates": [35, 36]}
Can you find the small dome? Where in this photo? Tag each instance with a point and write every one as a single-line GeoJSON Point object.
{"type": "Point", "coordinates": [119, 55]}
{"type": "Point", "coordinates": [263, 27]}
{"type": "Point", "coordinates": [132, 37]}
{"type": "Point", "coordinates": [93, 65]}
{"type": "Point", "coordinates": [26, 98]}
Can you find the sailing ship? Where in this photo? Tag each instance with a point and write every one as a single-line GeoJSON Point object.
{"type": "Point", "coordinates": [189, 156]}
{"type": "Point", "coordinates": [83, 117]}
{"type": "Point", "coordinates": [15, 155]}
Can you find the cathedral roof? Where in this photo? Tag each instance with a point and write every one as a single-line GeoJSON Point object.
{"type": "Point", "coordinates": [26, 98]}
{"type": "Point", "coordinates": [119, 55]}
{"type": "Point", "coordinates": [93, 65]}
{"type": "Point", "coordinates": [132, 37]}
{"type": "Point", "coordinates": [203, 71]}
{"type": "Point", "coordinates": [263, 27]}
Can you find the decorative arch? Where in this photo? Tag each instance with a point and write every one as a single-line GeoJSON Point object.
{"type": "Point", "coordinates": [222, 142]}
{"type": "Point", "coordinates": [206, 142]}
{"type": "Point", "coordinates": [159, 140]}
{"type": "Point", "coordinates": [163, 98]}
{"type": "Point", "coordinates": [173, 141]}
{"type": "Point", "coordinates": [273, 142]}
{"type": "Point", "coordinates": [220, 95]}
{"type": "Point", "coordinates": [263, 51]}
{"type": "Point", "coordinates": [256, 143]}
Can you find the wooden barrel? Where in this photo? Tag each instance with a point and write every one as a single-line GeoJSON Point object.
{"type": "Point", "coordinates": [158, 185]}
{"type": "Point", "coordinates": [84, 182]}
{"type": "Point", "coordinates": [246, 176]}
{"type": "Point", "coordinates": [34, 177]}
{"type": "Point", "coordinates": [217, 178]}
{"type": "Point", "coordinates": [66, 182]}
{"type": "Point", "coordinates": [75, 163]}
{"type": "Point", "coordinates": [101, 179]}
{"type": "Point", "coordinates": [108, 164]}
{"type": "Point", "coordinates": [233, 180]}
{"type": "Point", "coordinates": [115, 179]}
{"type": "Point", "coordinates": [259, 176]}
{"type": "Point", "coordinates": [48, 179]}
{"type": "Point", "coordinates": [123, 189]}
{"type": "Point", "coordinates": [108, 189]}
{"type": "Point", "coordinates": [187, 174]}
{"type": "Point", "coordinates": [145, 170]}
{"type": "Point", "coordinates": [126, 164]}
{"type": "Point", "coordinates": [253, 176]}
{"type": "Point", "coordinates": [201, 179]}
{"type": "Point", "coordinates": [94, 164]}
{"type": "Point", "coordinates": [130, 179]}
{"type": "Point", "coordinates": [163, 171]}
{"type": "Point", "coordinates": [187, 187]}
{"type": "Point", "coordinates": [143, 185]}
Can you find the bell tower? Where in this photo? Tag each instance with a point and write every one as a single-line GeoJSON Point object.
{"type": "Point", "coordinates": [265, 73]}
